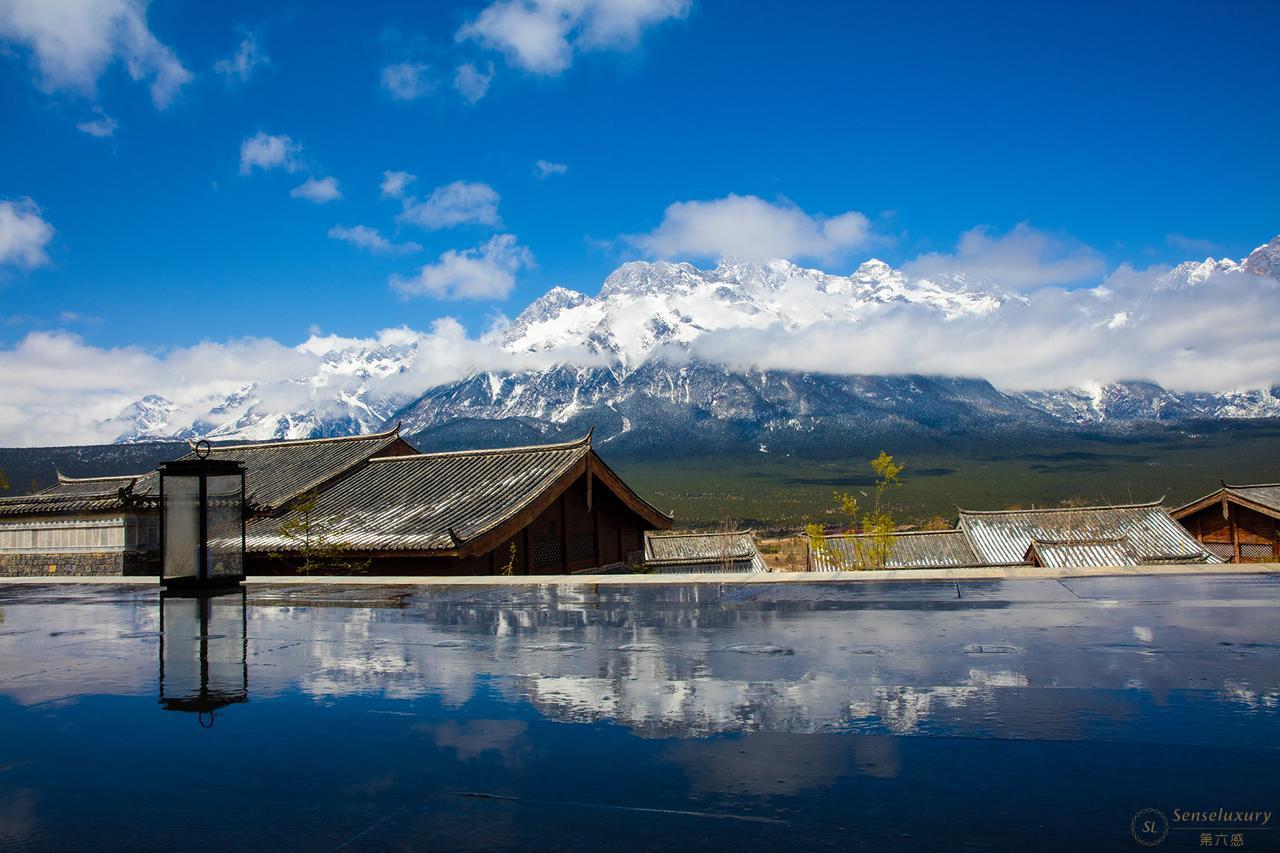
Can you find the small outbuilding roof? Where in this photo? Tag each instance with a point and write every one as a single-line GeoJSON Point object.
{"type": "Point", "coordinates": [1262, 497]}
{"type": "Point", "coordinates": [916, 549]}
{"type": "Point", "coordinates": [702, 552]}
{"type": "Point", "coordinates": [452, 504]}
{"type": "Point", "coordinates": [81, 495]}
{"type": "Point", "coordinates": [1002, 538]}
{"type": "Point", "coordinates": [1069, 554]}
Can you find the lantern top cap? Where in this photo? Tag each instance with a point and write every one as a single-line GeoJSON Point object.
{"type": "Point", "coordinates": [197, 467]}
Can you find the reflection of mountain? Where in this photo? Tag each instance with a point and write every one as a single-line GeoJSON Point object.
{"type": "Point", "coordinates": [1021, 660]}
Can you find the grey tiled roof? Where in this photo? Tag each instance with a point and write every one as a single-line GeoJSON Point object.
{"type": "Point", "coordinates": [80, 495]}
{"type": "Point", "coordinates": [276, 472]}
{"type": "Point", "coordinates": [429, 501]}
{"type": "Point", "coordinates": [1066, 555]}
{"type": "Point", "coordinates": [922, 549]}
{"type": "Point", "coordinates": [1266, 494]}
{"type": "Point", "coordinates": [1002, 538]}
{"type": "Point", "coordinates": [702, 552]}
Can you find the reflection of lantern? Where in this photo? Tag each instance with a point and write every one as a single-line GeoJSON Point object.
{"type": "Point", "coordinates": [203, 651]}
{"type": "Point", "coordinates": [202, 522]}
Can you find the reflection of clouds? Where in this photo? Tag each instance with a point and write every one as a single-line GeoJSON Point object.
{"type": "Point", "coordinates": [18, 824]}
{"type": "Point", "coordinates": [686, 661]}
{"type": "Point", "coordinates": [471, 739]}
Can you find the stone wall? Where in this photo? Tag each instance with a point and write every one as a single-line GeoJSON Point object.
{"type": "Point", "coordinates": [79, 565]}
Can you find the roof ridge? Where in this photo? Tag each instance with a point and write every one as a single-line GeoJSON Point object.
{"type": "Point", "coordinates": [1226, 485]}
{"type": "Point", "coordinates": [585, 441]}
{"type": "Point", "coordinates": [63, 478]}
{"type": "Point", "coordinates": [293, 442]}
{"type": "Point", "coordinates": [896, 533]}
{"type": "Point", "coordinates": [663, 534]}
{"type": "Point", "coordinates": [1145, 505]}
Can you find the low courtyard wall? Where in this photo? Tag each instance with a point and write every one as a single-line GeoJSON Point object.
{"type": "Point", "coordinates": [79, 564]}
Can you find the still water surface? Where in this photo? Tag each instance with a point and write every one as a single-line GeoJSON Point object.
{"type": "Point", "coordinates": [983, 715]}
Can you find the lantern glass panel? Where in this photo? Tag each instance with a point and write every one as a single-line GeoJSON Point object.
{"type": "Point", "coordinates": [225, 526]}
{"type": "Point", "coordinates": [182, 526]}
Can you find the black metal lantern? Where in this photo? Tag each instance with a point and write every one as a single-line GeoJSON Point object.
{"type": "Point", "coordinates": [203, 651]}
{"type": "Point", "coordinates": [202, 521]}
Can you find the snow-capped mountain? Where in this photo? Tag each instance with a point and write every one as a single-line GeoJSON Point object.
{"type": "Point", "coordinates": [643, 307]}
{"type": "Point", "coordinates": [626, 362]}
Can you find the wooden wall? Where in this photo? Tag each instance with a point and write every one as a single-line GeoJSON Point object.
{"type": "Point", "coordinates": [1243, 536]}
{"type": "Point", "coordinates": [590, 537]}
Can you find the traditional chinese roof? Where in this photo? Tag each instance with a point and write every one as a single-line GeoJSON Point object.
{"type": "Point", "coordinates": [667, 552]}
{"type": "Point", "coordinates": [1001, 538]}
{"type": "Point", "coordinates": [1261, 497]}
{"type": "Point", "coordinates": [276, 472]}
{"type": "Point", "coordinates": [917, 549]}
{"type": "Point", "coordinates": [1072, 554]}
{"type": "Point", "coordinates": [452, 504]}
{"type": "Point", "coordinates": [79, 495]}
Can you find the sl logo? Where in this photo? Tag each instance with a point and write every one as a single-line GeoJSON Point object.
{"type": "Point", "coordinates": [1149, 827]}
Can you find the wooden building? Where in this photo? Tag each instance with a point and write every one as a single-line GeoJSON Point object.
{"type": "Point", "coordinates": [1239, 524]}
{"type": "Point", "coordinates": [110, 525]}
{"type": "Point", "coordinates": [547, 509]}
{"type": "Point", "coordinates": [1061, 537]}
{"type": "Point", "coordinates": [81, 526]}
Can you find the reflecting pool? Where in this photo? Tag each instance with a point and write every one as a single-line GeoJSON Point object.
{"type": "Point", "coordinates": [979, 715]}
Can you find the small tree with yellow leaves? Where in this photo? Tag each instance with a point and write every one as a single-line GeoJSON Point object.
{"type": "Point", "coordinates": [873, 548]}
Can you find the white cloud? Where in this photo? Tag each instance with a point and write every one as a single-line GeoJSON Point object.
{"type": "Point", "coordinates": [544, 169]}
{"type": "Point", "coordinates": [408, 81]}
{"type": "Point", "coordinates": [370, 239]}
{"type": "Point", "coordinates": [458, 203]}
{"type": "Point", "coordinates": [1023, 258]}
{"type": "Point", "coordinates": [241, 65]}
{"type": "Point", "coordinates": [101, 125]}
{"type": "Point", "coordinates": [395, 183]}
{"type": "Point", "coordinates": [750, 228]}
{"type": "Point", "coordinates": [264, 151]}
{"type": "Point", "coordinates": [542, 36]}
{"type": "Point", "coordinates": [485, 272]}
{"type": "Point", "coordinates": [472, 83]}
{"type": "Point", "coordinates": [318, 190]}
{"type": "Point", "coordinates": [1182, 338]}
{"type": "Point", "coordinates": [74, 42]}
{"type": "Point", "coordinates": [24, 234]}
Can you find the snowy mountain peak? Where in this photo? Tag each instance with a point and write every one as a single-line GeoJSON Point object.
{"type": "Point", "coordinates": [1264, 260]}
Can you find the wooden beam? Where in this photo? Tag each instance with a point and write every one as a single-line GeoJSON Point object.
{"type": "Point", "coordinates": [564, 531]}
{"type": "Point", "coordinates": [1235, 536]}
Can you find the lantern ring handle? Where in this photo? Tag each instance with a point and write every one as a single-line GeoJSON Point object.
{"type": "Point", "coordinates": [203, 448]}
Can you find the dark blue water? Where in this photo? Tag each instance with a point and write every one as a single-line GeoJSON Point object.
{"type": "Point", "coordinates": [985, 715]}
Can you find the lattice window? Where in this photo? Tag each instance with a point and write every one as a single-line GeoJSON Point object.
{"type": "Point", "coordinates": [1221, 549]}
{"type": "Point", "coordinates": [546, 552]}
{"type": "Point", "coordinates": [582, 547]}
{"type": "Point", "coordinates": [1255, 552]}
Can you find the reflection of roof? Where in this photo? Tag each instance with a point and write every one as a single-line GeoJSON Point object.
{"type": "Point", "coordinates": [702, 552]}
{"type": "Point", "coordinates": [1263, 497]}
{"type": "Point", "coordinates": [920, 549]}
{"type": "Point", "coordinates": [447, 501]}
{"type": "Point", "coordinates": [1069, 554]}
{"type": "Point", "coordinates": [1001, 538]}
{"type": "Point", "coordinates": [81, 495]}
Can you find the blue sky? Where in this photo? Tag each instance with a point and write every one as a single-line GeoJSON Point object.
{"type": "Point", "coordinates": [1137, 132]}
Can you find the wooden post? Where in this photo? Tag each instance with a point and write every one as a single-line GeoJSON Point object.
{"type": "Point", "coordinates": [1235, 536]}
{"type": "Point", "coordinates": [595, 522]}
{"type": "Point", "coordinates": [564, 532]}
{"type": "Point", "coordinates": [528, 555]}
